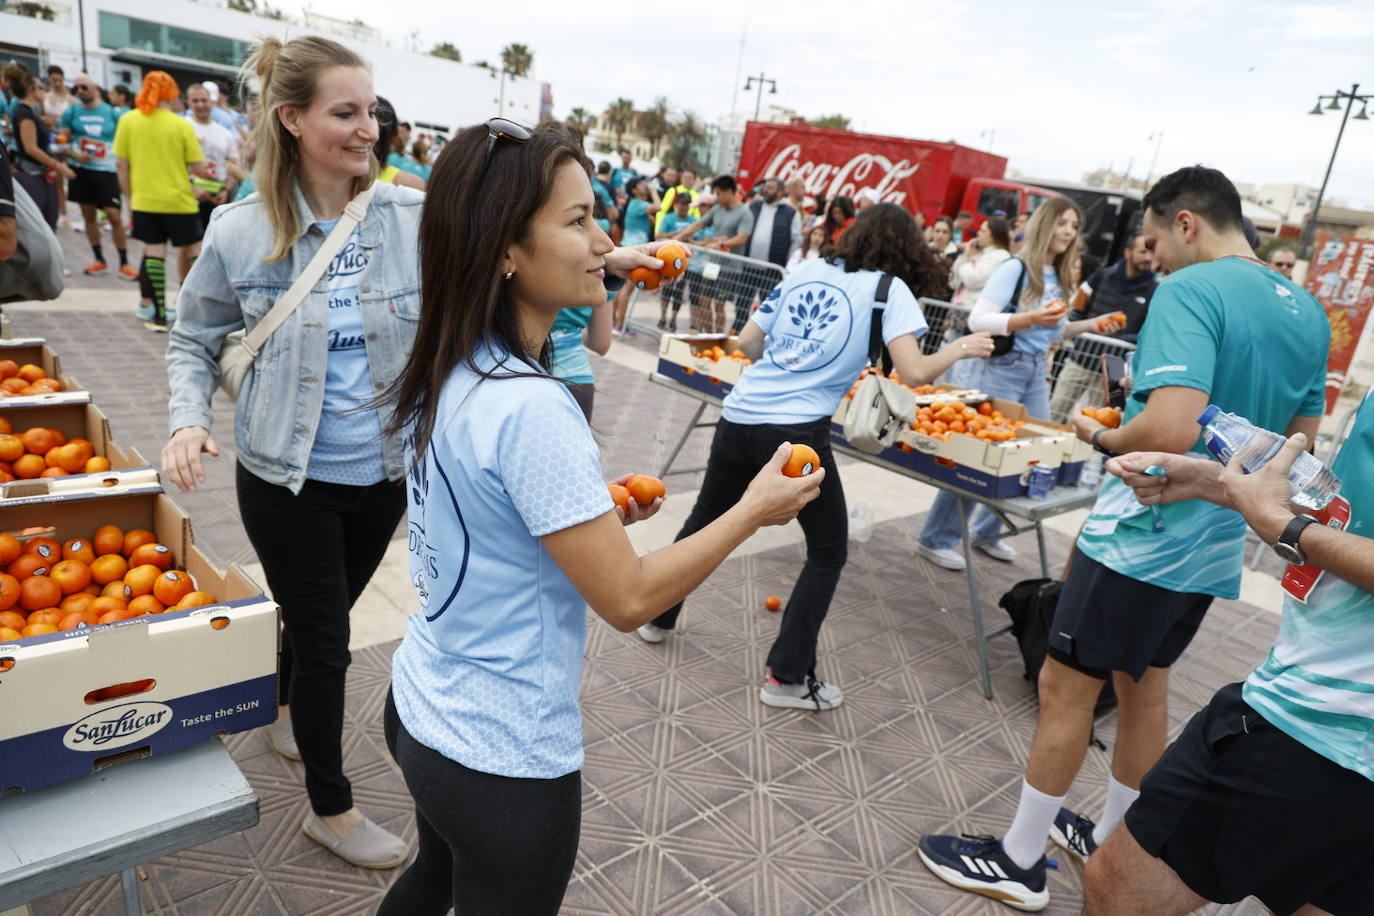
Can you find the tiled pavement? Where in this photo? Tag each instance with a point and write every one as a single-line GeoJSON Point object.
{"type": "Point", "coordinates": [697, 798]}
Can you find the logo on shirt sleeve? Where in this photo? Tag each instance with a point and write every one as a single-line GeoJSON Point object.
{"type": "Point", "coordinates": [1158, 369]}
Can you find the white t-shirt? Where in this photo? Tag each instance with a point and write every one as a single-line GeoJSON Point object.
{"type": "Point", "coordinates": [818, 322]}
{"type": "Point", "coordinates": [218, 145]}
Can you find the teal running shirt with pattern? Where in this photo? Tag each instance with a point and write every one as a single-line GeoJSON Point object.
{"type": "Point", "coordinates": [1256, 343]}
{"type": "Point", "coordinates": [1317, 684]}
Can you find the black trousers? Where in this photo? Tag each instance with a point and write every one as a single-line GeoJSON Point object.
{"type": "Point", "coordinates": [488, 845]}
{"type": "Point", "coordinates": [738, 452]}
{"type": "Point", "coordinates": [318, 550]}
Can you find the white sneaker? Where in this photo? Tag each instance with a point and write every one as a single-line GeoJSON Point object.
{"type": "Point", "coordinates": [947, 557]}
{"type": "Point", "coordinates": [813, 695]}
{"type": "Point", "coordinates": [651, 633]}
{"type": "Point", "coordinates": [999, 550]}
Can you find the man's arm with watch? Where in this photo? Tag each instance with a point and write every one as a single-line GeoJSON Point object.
{"type": "Point", "coordinates": [1262, 498]}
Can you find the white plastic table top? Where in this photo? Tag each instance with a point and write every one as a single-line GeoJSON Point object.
{"type": "Point", "coordinates": [125, 815]}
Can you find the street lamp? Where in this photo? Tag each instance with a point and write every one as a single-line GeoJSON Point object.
{"type": "Point", "coordinates": [1351, 97]}
{"type": "Point", "coordinates": [760, 79]}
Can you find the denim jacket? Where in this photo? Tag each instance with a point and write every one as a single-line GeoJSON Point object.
{"type": "Point", "coordinates": [231, 287]}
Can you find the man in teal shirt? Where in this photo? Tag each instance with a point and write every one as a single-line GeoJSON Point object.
{"type": "Point", "coordinates": [1223, 329]}
{"type": "Point", "coordinates": [91, 129]}
{"type": "Point", "coordinates": [1222, 816]}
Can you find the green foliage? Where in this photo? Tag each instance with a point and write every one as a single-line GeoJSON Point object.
{"type": "Point", "coordinates": [837, 121]}
{"type": "Point", "coordinates": [447, 51]}
{"type": "Point", "coordinates": [582, 120]}
{"type": "Point", "coordinates": [620, 117]}
{"type": "Point", "coordinates": [516, 59]}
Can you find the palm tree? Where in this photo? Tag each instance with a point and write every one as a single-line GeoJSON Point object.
{"type": "Point", "coordinates": [517, 59]}
{"type": "Point", "coordinates": [619, 118]}
{"type": "Point", "coordinates": [582, 120]}
{"type": "Point", "coordinates": [838, 121]}
{"type": "Point", "coordinates": [686, 137]}
{"type": "Point", "coordinates": [655, 125]}
{"type": "Point", "coordinates": [447, 51]}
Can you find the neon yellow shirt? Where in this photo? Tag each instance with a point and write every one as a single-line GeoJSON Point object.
{"type": "Point", "coordinates": [158, 147]}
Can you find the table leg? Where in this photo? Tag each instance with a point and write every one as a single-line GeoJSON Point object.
{"type": "Point", "coordinates": [133, 902]}
{"type": "Point", "coordinates": [1044, 558]}
{"type": "Point", "coordinates": [980, 639]}
{"type": "Point", "coordinates": [692, 426]}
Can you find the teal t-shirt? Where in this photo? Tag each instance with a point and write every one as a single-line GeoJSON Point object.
{"type": "Point", "coordinates": [1256, 343]}
{"type": "Point", "coordinates": [570, 360]}
{"type": "Point", "coordinates": [1317, 683]}
{"type": "Point", "coordinates": [639, 227]}
{"type": "Point", "coordinates": [92, 132]}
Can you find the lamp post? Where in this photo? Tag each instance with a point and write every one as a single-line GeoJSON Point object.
{"type": "Point", "coordinates": [760, 79]}
{"type": "Point", "coordinates": [1158, 138]}
{"type": "Point", "coordinates": [1310, 230]}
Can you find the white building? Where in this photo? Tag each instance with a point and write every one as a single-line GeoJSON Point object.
{"type": "Point", "coordinates": [196, 40]}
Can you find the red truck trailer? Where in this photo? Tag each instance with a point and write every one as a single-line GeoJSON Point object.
{"type": "Point", "coordinates": [920, 175]}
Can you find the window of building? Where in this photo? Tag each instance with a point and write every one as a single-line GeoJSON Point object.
{"type": "Point", "coordinates": [118, 31]}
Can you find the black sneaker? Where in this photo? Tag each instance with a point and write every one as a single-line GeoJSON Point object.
{"type": "Point", "coordinates": [1073, 833]}
{"type": "Point", "coordinates": [979, 864]}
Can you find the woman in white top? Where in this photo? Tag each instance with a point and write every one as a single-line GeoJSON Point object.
{"type": "Point", "coordinates": [810, 248]}
{"type": "Point", "coordinates": [984, 252]}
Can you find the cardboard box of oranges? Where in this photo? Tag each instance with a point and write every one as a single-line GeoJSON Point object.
{"type": "Point", "coordinates": [60, 446]}
{"type": "Point", "coordinates": [31, 372]}
{"type": "Point", "coordinates": [711, 363]}
{"type": "Point", "coordinates": [134, 686]}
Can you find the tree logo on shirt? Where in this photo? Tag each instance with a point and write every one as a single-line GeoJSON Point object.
{"type": "Point", "coordinates": [812, 328]}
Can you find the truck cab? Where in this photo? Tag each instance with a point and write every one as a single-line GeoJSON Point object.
{"type": "Point", "coordinates": [984, 197]}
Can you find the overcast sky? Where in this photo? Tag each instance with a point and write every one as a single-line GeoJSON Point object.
{"type": "Point", "coordinates": [1067, 86]}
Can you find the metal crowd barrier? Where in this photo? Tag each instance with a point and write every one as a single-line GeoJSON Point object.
{"type": "Point", "coordinates": [1076, 373]}
{"type": "Point", "coordinates": [716, 295]}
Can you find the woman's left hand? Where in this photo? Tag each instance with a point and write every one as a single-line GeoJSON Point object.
{"type": "Point", "coordinates": [623, 260]}
{"type": "Point", "coordinates": [975, 346]}
{"type": "Point", "coordinates": [633, 511]}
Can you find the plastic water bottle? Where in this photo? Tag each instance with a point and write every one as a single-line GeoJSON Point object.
{"type": "Point", "coordinates": [1228, 436]}
{"type": "Point", "coordinates": [1091, 475]}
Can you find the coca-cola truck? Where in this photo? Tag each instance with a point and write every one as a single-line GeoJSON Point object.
{"type": "Point", "coordinates": [920, 175]}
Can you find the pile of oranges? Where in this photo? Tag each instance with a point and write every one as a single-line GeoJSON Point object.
{"type": "Point", "coordinates": [45, 452]}
{"type": "Point", "coordinates": [942, 419]}
{"type": "Point", "coordinates": [115, 575]}
{"type": "Point", "coordinates": [26, 379]}
{"type": "Point", "coordinates": [1109, 417]}
{"type": "Point", "coordinates": [717, 353]}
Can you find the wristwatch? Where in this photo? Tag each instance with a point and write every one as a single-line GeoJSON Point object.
{"type": "Point", "coordinates": [1097, 443]}
{"type": "Point", "coordinates": [1287, 546]}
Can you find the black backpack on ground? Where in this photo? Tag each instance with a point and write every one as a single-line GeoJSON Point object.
{"type": "Point", "coordinates": [1030, 604]}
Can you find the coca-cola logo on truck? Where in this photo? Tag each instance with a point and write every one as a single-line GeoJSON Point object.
{"type": "Point", "coordinates": [863, 170]}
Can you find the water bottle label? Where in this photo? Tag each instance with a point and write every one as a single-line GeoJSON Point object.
{"type": "Point", "coordinates": [1221, 449]}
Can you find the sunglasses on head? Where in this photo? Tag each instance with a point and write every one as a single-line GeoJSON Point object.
{"type": "Point", "coordinates": [504, 129]}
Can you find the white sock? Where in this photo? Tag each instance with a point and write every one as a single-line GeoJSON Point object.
{"type": "Point", "coordinates": [1119, 798]}
{"type": "Point", "coordinates": [1030, 830]}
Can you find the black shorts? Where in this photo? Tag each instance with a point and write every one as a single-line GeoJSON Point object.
{"type": "Point", "coordinates": [94, 188]}
{"type": "Point", "coordinates": [181, 229]}
{"type": "Point", "coordinates": [206, 208]}
{"type": "Point", "coordinates": [1236, 807]}
{"type": "Point", "coordinates": [1107, 622]}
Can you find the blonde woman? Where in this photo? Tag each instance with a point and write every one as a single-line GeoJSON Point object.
{"type": "Point", "coordinates": [1023, 299]}
{"type": "Point", "coordinates": [319, 484]}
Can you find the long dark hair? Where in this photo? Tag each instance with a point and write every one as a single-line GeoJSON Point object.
{"type": "Point", "coordinates": [476, 207]}
{"type": "Point", "coordinates": [884, 238]}
{"type": "Point", "coordinates": [846, 207]}
{"type": "Point", "coordinates": [386, 131]}
{"type": "Point", "coordinates": [1000, 230]}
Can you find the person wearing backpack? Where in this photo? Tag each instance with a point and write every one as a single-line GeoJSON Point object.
{"type": "Point", "coordinates": [809, 340]}
{"type": "Point", "coordinates": [1023, 303]}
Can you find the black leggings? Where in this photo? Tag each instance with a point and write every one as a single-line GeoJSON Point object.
{"type": "Point", "coordinates": [318, 551]}
{"type": "Point", "coordinates": [489, 845]}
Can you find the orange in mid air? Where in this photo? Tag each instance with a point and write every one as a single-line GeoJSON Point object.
{"type": "Point", "coordinates": [645, 489]}
{"type": "Point", "coordinates": [802, 461]}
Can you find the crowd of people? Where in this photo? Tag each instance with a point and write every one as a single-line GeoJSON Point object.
{"type": "Point", "coordinates": [429, 362]}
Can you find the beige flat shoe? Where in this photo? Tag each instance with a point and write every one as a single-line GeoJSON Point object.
{"type": "Point", "coordinates": [282, 739]}
{"type": "Point", "coordinates": [367, 845]}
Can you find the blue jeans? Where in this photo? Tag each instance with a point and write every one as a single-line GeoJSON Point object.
{"type": "Point", "coordinates": [1017, 377]}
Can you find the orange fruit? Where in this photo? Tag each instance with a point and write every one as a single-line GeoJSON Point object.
{"type": "Point", "coordinates": [674, 258]}
{"type": "Point", "coordinates": [9, 634]}
{"type": "Point", "coordinates": [27, 565]}
{"type": "Point", "coordinates": [27, 467]}
{"type": "Point", "coordinates": [140, 579]}
{"type": "Point", "coordinates": [11, 447]}
{"type": "Point", "coordinates": [38, 629]}
{"type": "Point", "coordinates": [45, 384]}
{"type": "Point", "coordinates": [108, 539]}
{"type": "Point", "coordinates": [97, 465]}
{"type": "Point", "coordinates": [78, 619]}
{"type": "Point", "coordinates": [50, 615]}
{"type": "Point", "coordinates": [85, 444]}
{"type": "Point", "coordinates": [644, 278]}
{"type": "Point", "coordinates": [78, 549]}
{"type": "Point", "coordinates": [801, 462]}
{"type": "Point", "coordinates": [645, 489]}
{"type": "Point", "coordinates": [195, 599]}
{"type": "Point", "coordinates": [71, 576]}
{"type": "Point", "coordinates": [152, 554]}
{"type": "Point", "coordinates": [72, 457]}
{"type": "Point", "coordinates": [93, 590]}
{"type": "Point", "coordinates": [45, 547]}
{"type": "Point", "coordinates": [13, 385]}
{"type": "Point", "coordinates": [172, 586]}
{"type": "Point", "coordinates": [117, 590]}
{"type": "Point", "coordinates": [54, 472]}
{"type": "Point", "coordinates": [9, 548]}
{"type": "Point", "coordinates": [619, 495]}
{"type": "Point", "coordinates": [109, 568]}
{"type": "Point", "coordinates": [38, 592]}
{"type": "Point", "coordinates": [219, 623]}
{"type": "Point", "coordinates": [105, 604]}
{"type": "Point", "coordinates": [137, 538]}
{"type": "Point", "coordinates": [31, 373]}
{"type": "Point", "coordinates": [8, 368]}
{"type": "Point", "coordinates": [77, 601]}
{"type": "Point", "coordinates": [38, 440]}
{"type": "Point", "coordinates": [50, 458]}
{"type": "Point", "coordinates": [772, 602]}
{"type": "Point", "coordinates": [116, 615]}
{"type": "Point", "coordinates": [13, 620]}
{"type": "Point", "coordinates": [146, 604]}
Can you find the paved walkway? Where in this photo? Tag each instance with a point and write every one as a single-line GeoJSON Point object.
{"type": "Point", "coordinates": [697, 799]}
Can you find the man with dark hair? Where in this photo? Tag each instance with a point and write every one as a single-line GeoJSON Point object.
{"type": "Point", "coordinates": [686, 186]}
{"type": "Point", "coordinates": [91, 127]}
{"type": "Point", "coordinates": [961, 223]}
{"type": "Point", "coordinates": [777, 233]}
{"type": "Point", "coordinates": [732, 223]}
{"type": "Point", "coordinates": [622, 175]}
{"type": "Point", "coordinates": [1283, 258]}
{"type": "Point", "coordinates": [602, 186]}
{"type": "Point", "coordinates": [1222, 330]}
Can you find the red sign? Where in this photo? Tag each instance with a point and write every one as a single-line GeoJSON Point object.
{"type": "Point", "coordinates": [1342, 279]}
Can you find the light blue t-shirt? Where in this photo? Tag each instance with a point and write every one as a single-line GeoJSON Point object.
{"type": "Point", "coordinates": [818, 322]}
{"type": "Point", "coordinates": [672, 223]}
{"type": "Point", "coordinates": [620, 177]}
{"type": "Point", "coordinates": [92, 132]}
{"type": "Point", "coordinates": [638, 227]}
{"type": "Point", "coordinates": [1256, 343]}
{"type": "Point", "coordinates": [1317, 683]}
{"type": "Point", "coordinates": [348, 443]}
{"type": "Point", "coordinates": [1002, 284]}
{"type": "Point", "coordinates": [570, 360]}
{"type": "Point", "coordinates": [489, 668]}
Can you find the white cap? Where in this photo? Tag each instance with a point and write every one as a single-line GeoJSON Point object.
{"type": "Point", "coordinates": [212, 88]}
{"type": "Point", "coordinates": [870, 194]}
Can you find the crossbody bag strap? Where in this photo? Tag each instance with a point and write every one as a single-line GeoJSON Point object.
{"type": "Point", "coordinates": [877, 351]}
{"type": "Point", "coordinates": [1015, 303]}
{"type": "Point", "coordinates": [353, 214]}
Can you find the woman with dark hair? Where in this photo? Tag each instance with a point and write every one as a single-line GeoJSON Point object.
{"type": "Point", "coordinates": [839, 216]}
{"type": "Point", "coordinates": [386, 133]}
{"type": "Point", "coordinates": [512, 531]}
{"type": "Point", "coordinates": [809, 341]}
{"type": "Point", "coordinates": [32, 161]}
{"type": "Point", "coordinates": [980, 258]}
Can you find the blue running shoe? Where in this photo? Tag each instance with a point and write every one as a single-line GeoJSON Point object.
{"type": "Point", "coordinates": [979, 864]}
{"type": "Point", "coordinates": [1073, 833]}
{"type": "Point", "coordinates": [145, 312]}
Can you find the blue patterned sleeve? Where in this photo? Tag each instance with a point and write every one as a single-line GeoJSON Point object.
{"type": "Point", "coordinates": [550, 466]}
